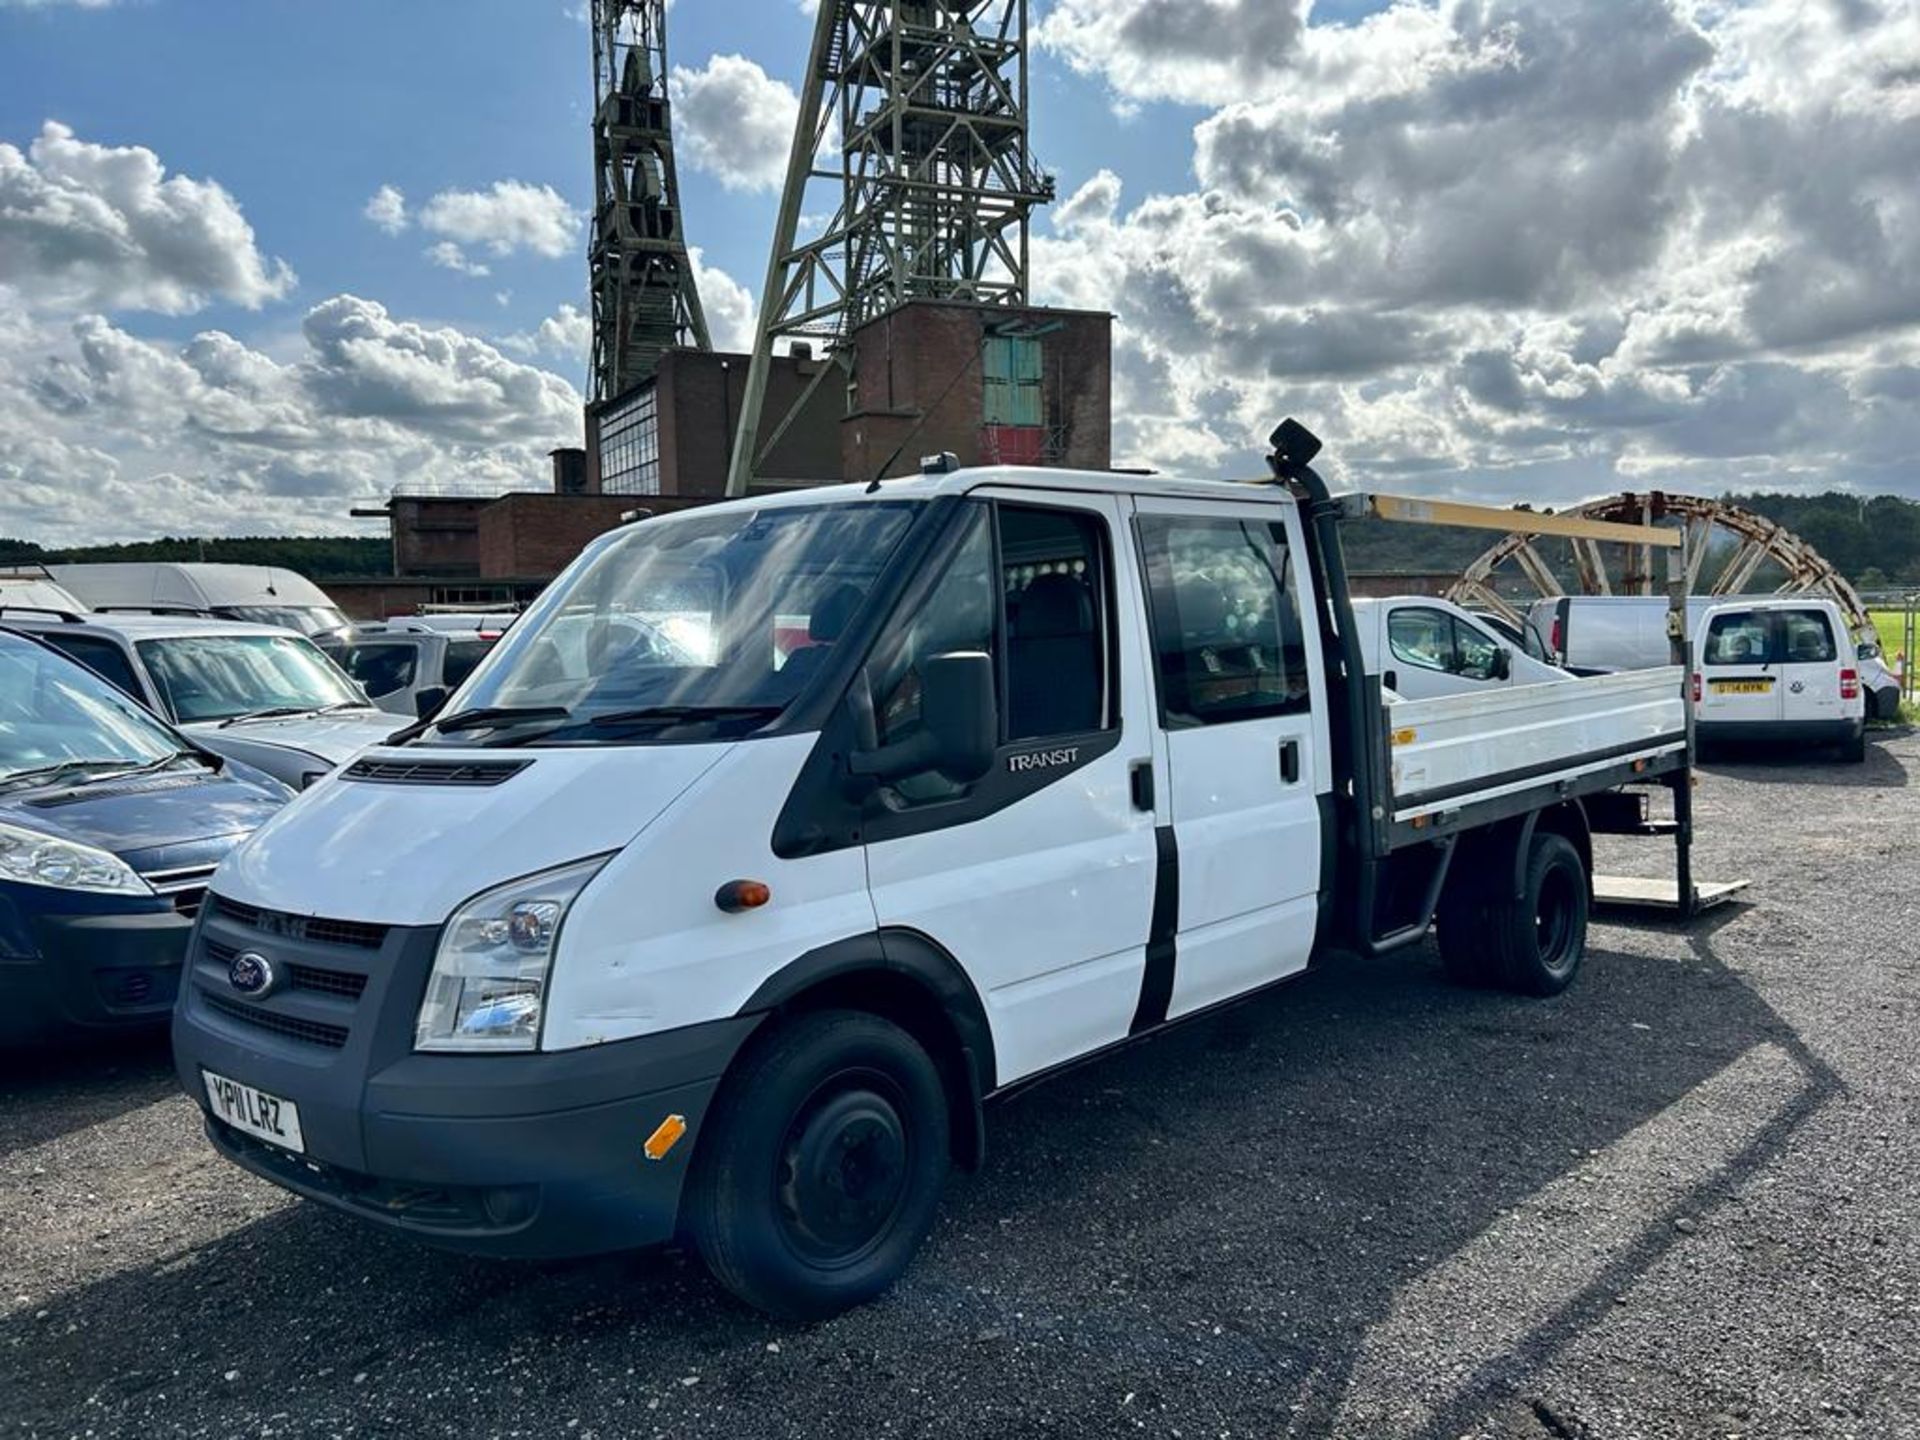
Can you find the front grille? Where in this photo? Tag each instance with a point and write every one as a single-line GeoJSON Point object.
{"type": "Point", "coordinates": [188, 902]}
{"type": "Point", "coordinates": [311, 978]}
{"type": "Point", "coordinates": [312, 1032]}
{"type": "Point", "coordinates": [187, 888]}
{"type": "Point", "coordinates": [328, 982]}
{"type": "Point", "coordinates": [484, 773]}
{"type": "Point", "coordinates": [351, 933]}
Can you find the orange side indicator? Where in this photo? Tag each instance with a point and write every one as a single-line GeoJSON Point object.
{"type": "Point", "coordinates": [1405, 737]}
{"type": "Point", "coordinates": [666, 1137]}
{"type": "Point", "coordinates": [736, 897]}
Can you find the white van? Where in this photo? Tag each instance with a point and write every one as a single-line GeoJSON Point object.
{"type": "Point", "coordinates": [1595, 634]}
{"type": "Point", "coordinates": [1424, 648]}
{"type": "Point", "coordinates": [256, 594]}
{"type": "Point", "coordinates": [1779, 670]}
{"type": "Point", "coordinates": [957, 780]}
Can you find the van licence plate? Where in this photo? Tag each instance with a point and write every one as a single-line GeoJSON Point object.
{"type": "Point", "coordinates": [263, 1116]}
{"type": "Point", "coordinates": [1743, 687]}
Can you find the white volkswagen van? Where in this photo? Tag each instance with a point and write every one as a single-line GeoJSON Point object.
{"type": "Point", "coordinates": [1781, 671]}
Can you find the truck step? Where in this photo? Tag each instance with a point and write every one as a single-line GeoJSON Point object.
{"type": "Point", "coordinates": [1632, 892]}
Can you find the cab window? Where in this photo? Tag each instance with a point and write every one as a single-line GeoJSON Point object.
{"type": "Point", "coordinates": [1737, 639]}
{"type": "Point", "coordinates": [1057, 622]}
{"type": "Point", "coordinates": [1228, 638]}
{"type": "Point", "coordinates": [1423, 639]}
{"type": "Point", "coordinates": [103, 657]}
{"type": "Point", "coordinates": [381, 669]}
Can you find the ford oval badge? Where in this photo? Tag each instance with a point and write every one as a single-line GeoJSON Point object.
{"type": "Point", "coordinates": [252, 974]}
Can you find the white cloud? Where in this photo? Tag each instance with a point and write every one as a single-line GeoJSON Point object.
{"type": "Point", "coordinates": [567, 334]}
{"type": "Point", "coordinates": [388, 209]}
{"type": "Point", "coordinates": [508, 217]}
{"type": "Point", "coordinates": [106, 435]}
{"type": "Point", "coordinates": [449, 256]}
{"type": "Point", "coordinates": [735, 122]}
{"type": "Point", "coordinates": [1509, 248]}
{"type": "Point", "coordinates": [729, 307]}
{"type": "Point", "coordinates": [84, 225]}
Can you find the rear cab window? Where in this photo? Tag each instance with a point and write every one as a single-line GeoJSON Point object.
{"type": "Point", "coordinates": [1807, 638]}
{"type": "Point", "coordinates": [1228, 640]}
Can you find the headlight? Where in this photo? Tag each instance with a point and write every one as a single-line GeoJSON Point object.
{"type": "Point", "coordinates": [31, 858]}
{"type": "Point", "coordinates": [490, 973]}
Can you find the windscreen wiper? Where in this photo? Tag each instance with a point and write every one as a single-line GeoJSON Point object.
{"type": "Point", "coordinates": [492, 715]}
{"type": "Point", "coordinates": [279, 712]}
{"type": "Point", "coordinates": [48, 773]}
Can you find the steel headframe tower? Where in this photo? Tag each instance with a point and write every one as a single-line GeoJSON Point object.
{"type": "Point", "coordinates": [933, 192]}
{"type": "Point", "coordinates": [644, 300]}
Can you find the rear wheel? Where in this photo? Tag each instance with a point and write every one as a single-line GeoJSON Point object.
{"type": "Point", "coordinates": [1539, 939]}
{"type": "Point", "coordinates": [1460, 929]}
{"type": "Point", "coordinates": [822, 1165]}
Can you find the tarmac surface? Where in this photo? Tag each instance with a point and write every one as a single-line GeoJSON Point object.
{"type": "Point", "coordinates": [1681, 1200]}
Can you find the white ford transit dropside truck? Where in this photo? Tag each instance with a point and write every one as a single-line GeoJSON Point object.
{"type": "Point", "coordinates": [947, 783]}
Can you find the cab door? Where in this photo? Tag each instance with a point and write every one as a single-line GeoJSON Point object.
{"type": "Point", "coordinates": [1739, 683]}
{"type": "Point", "coordinates": [1242, 711]}
{"type": "Point", "coordinates": [1039, 879]}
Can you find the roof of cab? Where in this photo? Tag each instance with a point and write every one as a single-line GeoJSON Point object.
{"type": "Point", "coordinates": [965, 482]}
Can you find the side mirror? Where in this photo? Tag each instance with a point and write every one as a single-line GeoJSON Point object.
{"type": "Point", "coordinates": [429, 702]}
{"type": "Point", "coordinates": [1503, 664]}
{"type": "Point", "coordinates": [1867, 652]}
{"type": "Point", "coordinates": [960, 729]}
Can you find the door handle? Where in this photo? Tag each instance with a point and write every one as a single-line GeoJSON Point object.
{"type": "Point", "coordinates": [1290, 761]}
{"type": "Point", "coordinates": [1141, 776]}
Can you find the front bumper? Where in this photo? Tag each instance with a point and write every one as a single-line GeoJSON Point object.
{"type": "Point", "coordinates": [93, 971]}
{"type": "Point", "coordinates": [515, 1156]}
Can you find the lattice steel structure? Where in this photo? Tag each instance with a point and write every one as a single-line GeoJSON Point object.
{"type": "Point", "coordinates": [931, 193]}
{"type": "Point", "coordinates": [644, 299]}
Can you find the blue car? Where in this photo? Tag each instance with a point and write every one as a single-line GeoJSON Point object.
{"type": "Point", "coordinates": [111, 824]}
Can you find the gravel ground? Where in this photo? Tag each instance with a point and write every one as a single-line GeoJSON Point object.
{"type": "Point", "coordinates": [1678, 1201]}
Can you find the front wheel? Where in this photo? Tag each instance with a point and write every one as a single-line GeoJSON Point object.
{"type": "Point", "coordinates": [822, 1165]}
{"type": "Point", "coordinates": [1540, 938]}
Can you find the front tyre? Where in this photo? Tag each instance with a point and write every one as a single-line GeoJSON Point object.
{"type": "Point", "coordinates": [1539, 938]}
{"type": "Point", "coordinates": [822, 1165]}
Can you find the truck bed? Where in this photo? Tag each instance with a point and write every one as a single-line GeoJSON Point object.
{"type": "Point", "coordinates": [1468, 757]}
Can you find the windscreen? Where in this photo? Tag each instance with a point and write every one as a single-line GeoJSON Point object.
{"type": "Point", "coordinates": [54, 712]}
{"type": "Point", "coordinates": [696, 627]}
{"type": "Point", "coordinates": [224, 677]}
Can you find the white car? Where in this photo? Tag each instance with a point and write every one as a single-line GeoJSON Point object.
{"type": "Point", "coordinates": [1424, 648]}
{"type": "Point", "coordinates": [1781, 671]}
{"type": "Point", "coordinates": [266, 697]}
{"type": "Point", "coordinates": [733, 940]}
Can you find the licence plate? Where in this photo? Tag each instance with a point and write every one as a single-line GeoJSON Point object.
{"type": "Point", "coordinates": [263, 1116]}
{"type": "Point", "coordinates": [1743, 687]}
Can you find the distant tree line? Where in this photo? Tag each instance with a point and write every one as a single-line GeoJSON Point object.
{"type": "Point", "coordinates": [321, 559]}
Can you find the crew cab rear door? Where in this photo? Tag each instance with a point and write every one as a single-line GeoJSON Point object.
{"type": "Point", "coordinates": [1241, 707]}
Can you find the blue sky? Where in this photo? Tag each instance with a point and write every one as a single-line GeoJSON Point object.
{"type": "Point", "coordinates": [1494, 249]}
{"type": "Point", "coordinates": [303, 111]}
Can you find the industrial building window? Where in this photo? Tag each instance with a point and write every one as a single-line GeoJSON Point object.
{"type": "Point", "coordinates": [630, 445]}
{"type": "Point", "coordinates": [1013, 381]}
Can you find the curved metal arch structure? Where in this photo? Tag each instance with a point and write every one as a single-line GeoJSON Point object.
{"type": "Point", "coordinates": [1727, 549]}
